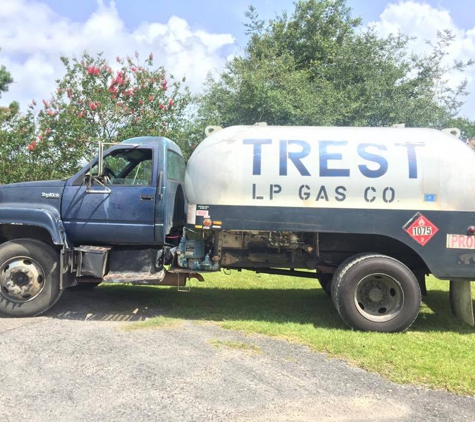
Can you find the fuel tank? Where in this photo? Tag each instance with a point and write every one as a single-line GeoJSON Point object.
{"type": "Point", "coordinates": [332, 167]}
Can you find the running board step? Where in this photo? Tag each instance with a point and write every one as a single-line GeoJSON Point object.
{"type": "Point", "coordinates": [176, 277]}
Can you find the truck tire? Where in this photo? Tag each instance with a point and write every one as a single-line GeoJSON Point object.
{"type": "Point", "coordinates": [29, 278]}
{"type": "Point", "coordinates": [375, 292]}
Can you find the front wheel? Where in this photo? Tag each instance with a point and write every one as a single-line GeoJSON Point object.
{"type": "Point", "coordinates": [29, 277]}
{"type": "Point", "coordinates": [374, 292]}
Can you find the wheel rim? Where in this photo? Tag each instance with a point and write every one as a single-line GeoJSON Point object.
{"type": "Point", "coordinates": [379, 297]}
{"type": "Point", "coordinates": [21, 279]}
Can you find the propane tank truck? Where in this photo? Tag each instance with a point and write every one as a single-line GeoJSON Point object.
{"type": "Point", "coordinates": [366, 212]}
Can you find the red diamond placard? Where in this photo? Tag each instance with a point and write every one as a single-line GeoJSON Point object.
{"type": "Point", "coordinates": [422, 230]}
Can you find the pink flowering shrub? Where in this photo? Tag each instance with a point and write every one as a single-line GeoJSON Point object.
{"type": "Point", "coordinates": [96, 101]}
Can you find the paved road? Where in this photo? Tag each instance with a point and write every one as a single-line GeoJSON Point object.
{"type": "Point", "coordinates": [78, 363]}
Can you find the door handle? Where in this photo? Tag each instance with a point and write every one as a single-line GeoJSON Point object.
{"type": "Point", "coordinates": [160, 178]}
{"type": "Point", "coordinates": [146, 197]}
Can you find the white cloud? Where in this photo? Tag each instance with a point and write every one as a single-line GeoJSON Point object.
{"type": "Point", "coordinates": [422, 21]}
{"type": "Point", "coordinates": [33, 37]}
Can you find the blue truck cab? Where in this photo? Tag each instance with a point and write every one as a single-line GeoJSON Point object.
{"type": "Point", "coordinates": [113, 221]}
{"type": "Point", "coordinates": [140, 201]}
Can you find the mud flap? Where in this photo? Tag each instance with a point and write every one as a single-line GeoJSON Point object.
{"type": "Point", "coordinates": [66, 278]}
{"type": "Point", "coordinates": [461, 301]}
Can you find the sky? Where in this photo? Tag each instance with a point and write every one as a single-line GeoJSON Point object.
{"type": "Point", "coordinates": [189, 38]}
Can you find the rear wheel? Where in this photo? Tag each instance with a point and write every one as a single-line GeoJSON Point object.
{"type": "Point", "coordinates": [376, 293]}
{"type": "Point", "coordinates": [29, 277]}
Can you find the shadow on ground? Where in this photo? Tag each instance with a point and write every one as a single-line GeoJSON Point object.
{"type": "Point", "coordinates": [301, 306]}
{"type": "Point", "coordinates": [138, 303]}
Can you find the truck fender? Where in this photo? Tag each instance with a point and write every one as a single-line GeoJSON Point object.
{"type": "Point", "coordinates": [48, 219]}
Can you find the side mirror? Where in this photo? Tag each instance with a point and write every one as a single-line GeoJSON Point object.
{"type": "Point", "coordinates": [100, 163]}
{"type": "Point", "coordinates": [95, 182]}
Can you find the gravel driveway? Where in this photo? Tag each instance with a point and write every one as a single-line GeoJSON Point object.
{"type": "Point", "coordinates": [78, 363]}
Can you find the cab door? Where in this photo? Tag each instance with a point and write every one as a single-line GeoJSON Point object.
{"type": "Point", "coordinates": [119, 211]}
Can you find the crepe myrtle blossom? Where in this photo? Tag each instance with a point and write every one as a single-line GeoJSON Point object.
{"type": "Point", "coordinates": [94, 100]}
{"type": "Point", "coordinates": [92, 70]}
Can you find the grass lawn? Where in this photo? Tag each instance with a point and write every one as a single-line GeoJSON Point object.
{"type": "Point", "coordinates": [438, 350]}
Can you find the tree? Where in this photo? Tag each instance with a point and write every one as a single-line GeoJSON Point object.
{"type": "Point", "coordinates": [5, 79]}
{"type": "Point", "coordinates": [467, 129]}
{"type": "Point", "coordinates": [318, 67]}
{"type": "Point", "coordinates": [95, 102]}
{"type": "Point", "coordinates": [13, 129]}
{"type": "Point", "coordinates": [17, 131]}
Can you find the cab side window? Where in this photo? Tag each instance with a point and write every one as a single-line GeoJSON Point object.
{"type": "Point", "coordinates": [175, 166]}
{"type": "Point", "coordinates": [128, 167]}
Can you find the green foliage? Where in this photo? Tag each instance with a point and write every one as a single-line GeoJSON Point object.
{"type": "Point", "coordinates": [16, 132]}
{"type": "Point", "coordinates": [14, 162]}
{"type": "Point", "coordinates": [466, 126]}
{"type": "Point", "coordinates": [5, 79]}
{"type": "Point", "coordinates": [318, 67]}
{"type": "Point", "coordinates": [313, 35]}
